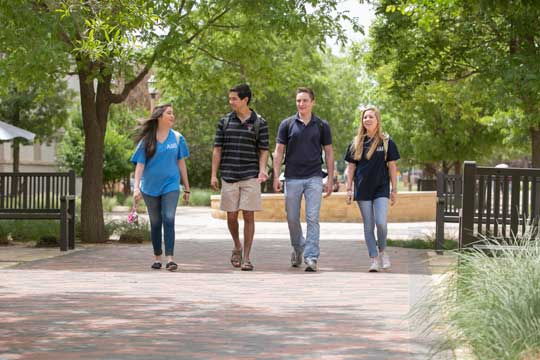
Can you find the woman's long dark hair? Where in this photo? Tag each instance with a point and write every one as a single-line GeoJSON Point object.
{"type": "Point", "coordinates": [147, 131]}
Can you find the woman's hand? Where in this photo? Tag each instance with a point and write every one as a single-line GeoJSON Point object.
{"type": "Point", "coordinates": [185, 197]}
{"type": "Point", "coordinates": [393, 197]}
{"type": "Point", "coordinates": [348, 198]}
{"type": "Point", "coordinates": [137, 195]}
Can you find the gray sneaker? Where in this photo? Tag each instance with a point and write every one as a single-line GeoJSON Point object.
{"type": "Point", "coordinates": [311, 265]}
{"type": "Point", "coordinates": [296, 259]}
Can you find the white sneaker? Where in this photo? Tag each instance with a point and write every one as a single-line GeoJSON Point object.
{"type": "Point", "coordinates": [385, 260]}
{"type": "Point", "coordinates": [374, 265]}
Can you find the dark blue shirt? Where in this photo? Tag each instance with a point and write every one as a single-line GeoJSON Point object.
{"type": "Point", "coordinates": [303, 154]}
{"type": "Point", "coordinates": [371, 178]}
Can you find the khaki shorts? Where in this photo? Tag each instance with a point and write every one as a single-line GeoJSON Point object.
{"type": "Point", "coordinates": [241, 195]}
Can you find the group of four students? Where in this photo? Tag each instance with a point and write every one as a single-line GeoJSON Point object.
{"type": "Point", "coordinates": [241, 153]}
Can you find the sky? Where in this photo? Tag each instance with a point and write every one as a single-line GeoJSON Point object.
{"type": "Point", "coordinates": [363, 12]}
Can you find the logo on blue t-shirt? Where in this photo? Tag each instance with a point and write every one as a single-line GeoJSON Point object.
{"type": "Point", "coordinates": [172, 146]}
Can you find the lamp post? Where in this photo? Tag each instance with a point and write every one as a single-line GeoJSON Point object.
{"type": "Point", "coordinates": [152, 90]}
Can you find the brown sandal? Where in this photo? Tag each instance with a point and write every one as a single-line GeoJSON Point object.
{"type": "Point", "coordinates": [236, 258]}
{"type": "Point", "coordinates": [247, 266]}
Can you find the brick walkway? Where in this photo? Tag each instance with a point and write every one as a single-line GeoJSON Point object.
{"type": "Point", "coordinates": [104, 302]}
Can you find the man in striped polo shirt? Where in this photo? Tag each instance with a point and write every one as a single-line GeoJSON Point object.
{"type": "Point", "coordinates": [240, 153]}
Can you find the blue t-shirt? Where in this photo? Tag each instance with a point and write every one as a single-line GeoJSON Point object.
{"type": "Point", "coordinates": [371, 177]}
{"type": "Point", "coordinates": [161, 173]}
{"type": "Point", "coordinates": [303, 154]}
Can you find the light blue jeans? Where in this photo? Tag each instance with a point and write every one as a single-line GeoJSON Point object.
{"type": "Point", "coordinates": [375, 213]}
{"type": "Point", "coordinates": [161, 211]}
{"type": "Point", "coordinates": [312, 190]}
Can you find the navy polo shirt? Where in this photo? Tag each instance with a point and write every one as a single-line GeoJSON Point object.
{"type": "Point", "coordinates": [303, 155]}
{"type": "Point", "coordinates": [371, 177]}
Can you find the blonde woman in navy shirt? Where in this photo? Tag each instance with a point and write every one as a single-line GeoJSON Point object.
{"type": "Point", "coordinates": [160, 162]}
{"type": "Point", "coordinates": [371, 159]}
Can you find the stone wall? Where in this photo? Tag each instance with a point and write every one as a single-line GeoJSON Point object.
{"type": "Point", "coordinates": [410, 207]}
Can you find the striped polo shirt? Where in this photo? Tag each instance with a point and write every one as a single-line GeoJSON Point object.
{"type": "Point", "coordinates": [239, 147]}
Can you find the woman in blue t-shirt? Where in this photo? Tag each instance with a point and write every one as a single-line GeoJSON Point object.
{"type": "Point", "coordinates": [159, 159]}
{"type": "Point", "coordinates": [371, 159]}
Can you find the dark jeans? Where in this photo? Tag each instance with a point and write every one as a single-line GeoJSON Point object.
{"type": "Point", "coordinates": [161, 210]}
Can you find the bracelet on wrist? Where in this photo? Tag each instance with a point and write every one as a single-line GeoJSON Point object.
{"type": "Point", "coordinates": [187, 192]}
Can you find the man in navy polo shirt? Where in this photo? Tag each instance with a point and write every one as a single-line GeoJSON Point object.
{"type": "Point", "coordinates": [302, 137]}
{"type": "Point", "coordinates": [240, 153]}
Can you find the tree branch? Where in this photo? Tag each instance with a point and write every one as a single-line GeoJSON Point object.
{"type": "Point", "coordinates": [215, 57]}
{"type": "Point", "coordinates": [208, 24]}
{"type": "Point", "coordinates": [118, 98]}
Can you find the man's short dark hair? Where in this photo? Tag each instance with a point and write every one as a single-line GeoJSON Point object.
{"type": "Point", "coordinates": [306, 90]}
{"type": "Point", "coordinates": [243, 91]}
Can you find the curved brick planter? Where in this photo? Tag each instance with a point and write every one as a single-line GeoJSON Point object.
{"type": "Point", "coordinates": [410, 207]}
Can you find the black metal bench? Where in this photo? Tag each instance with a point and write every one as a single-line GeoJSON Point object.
{"type": "Point", "coordinates": [41, 195]}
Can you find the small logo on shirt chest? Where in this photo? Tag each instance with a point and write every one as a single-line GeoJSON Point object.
{"type": "Point", "coordinates": [171, 146]}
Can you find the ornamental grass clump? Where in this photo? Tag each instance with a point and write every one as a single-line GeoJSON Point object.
{"type": "Point", "coordinates": [489, 303]}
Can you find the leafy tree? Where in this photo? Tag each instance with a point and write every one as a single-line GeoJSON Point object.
{"type": "Point", "coordinates": [117, 152]}
{"type": "Point", "coordinates": [40, 108]}
{"type": "Point", "coordinates": [494, 43]}
{"type": "Point", "coordinates": [114, 43]}
{"type": "Point", "coordinates": [288, 65]}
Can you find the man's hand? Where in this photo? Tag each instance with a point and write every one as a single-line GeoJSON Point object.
{"type": "Point", "coordinates": [214, 183]}
{"type": "Point", "coordinates": [328, 187]}
{"type": "Point", "coordinates": [263, 176]}
{"type": "Point", "coordinates": [277, 185]}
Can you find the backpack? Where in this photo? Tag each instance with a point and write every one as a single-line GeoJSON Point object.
{"type": "Point", "coordinates": [177, 136]}
{"type": "Point", "coordinates": [386, 138]}
{"type": "Point", "coordinates": [256, 125]}
{"type": "Point", "coordinates": [290, 123]}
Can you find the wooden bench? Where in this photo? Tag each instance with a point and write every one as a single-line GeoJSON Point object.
{"type": "Point", "coordinates": [41, 195]}
{"type": "Point", "coordinates": [449, 196]}
{"type": "Point", "coordinates": [498, 203]}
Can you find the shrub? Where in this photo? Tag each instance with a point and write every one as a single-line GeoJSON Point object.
{"type": "Point", "coordinates": [198, 197]}
{"type": "Point", "coordinates": [448, 244]}
{"type": "Point", "coordinates": [141, 207]}
{"type": "Point", "coordinates": [126, 232]}
{"type": "Point", "coordinates": [4, 235]}
{"type": "Point", "coordinates": [489, 303]}
{"type": "Point", "coordinates": [47, 241]}
{"type": "Point", "coordinates": [30, 230]}
{"type": "Point", "coordinates": [120, 198]}
{"type": "Point", "coordinates": [109, 203]}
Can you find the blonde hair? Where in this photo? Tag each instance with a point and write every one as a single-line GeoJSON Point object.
{"type": "Point", "coordinates": [358, 141]}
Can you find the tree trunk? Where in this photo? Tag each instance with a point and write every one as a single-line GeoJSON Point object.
{"type": "Point", "coordinates": [94, 115]}
{"type": "Point", "coordinates": [535, 151]}
{"type": "Point", "coordinates": [457, 167]}
{"type": "Point", "coordinates": [445, 167]}
{"type": "Point", "coordinates": [429, 171]}
{"type": "Point", "coordinates": [127, 185]}
{"type": "Point", "coordinates": [16, 146]}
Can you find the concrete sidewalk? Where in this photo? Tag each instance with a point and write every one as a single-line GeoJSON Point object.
{"type": "Point", "coordinates": [104, 302]}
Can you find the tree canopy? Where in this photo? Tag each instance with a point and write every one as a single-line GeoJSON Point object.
{"type": "Point", "coordinates": [112, 44]}
{"type": "Point", "coordinates": [493, 44]}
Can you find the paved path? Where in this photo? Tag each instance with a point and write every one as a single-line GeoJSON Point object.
{"type": "Point", "coordinates": [104, 302]}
